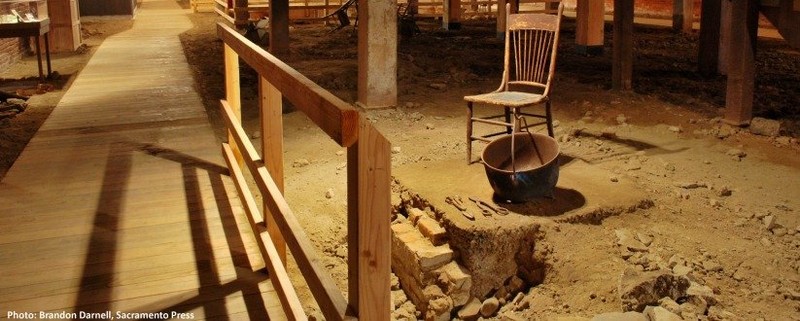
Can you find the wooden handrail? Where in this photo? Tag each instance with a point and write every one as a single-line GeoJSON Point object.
{"type": "Point", "coordinates": [335, 117]}
{"type": "Point", "coordinates": [368, 186]}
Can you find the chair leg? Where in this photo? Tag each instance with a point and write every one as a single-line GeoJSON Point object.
{"type": "Point", "coordinates": [517, 121]}
{"type": "Point", "coordinates": [469, 132]}
{"type": "Point", "coordinates": [508, 120]}
{"type": "Point", "coordinates": [549, 116]}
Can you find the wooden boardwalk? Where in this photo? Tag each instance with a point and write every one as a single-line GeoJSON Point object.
{"type": "Point", "coordinates": [121, 201]}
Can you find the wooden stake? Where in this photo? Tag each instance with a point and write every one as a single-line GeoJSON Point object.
{"type": "Point", "coordinates": [278, 27]}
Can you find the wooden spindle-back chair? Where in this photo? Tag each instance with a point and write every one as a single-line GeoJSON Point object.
{"type": "Point", "coordinates": [531, 41]}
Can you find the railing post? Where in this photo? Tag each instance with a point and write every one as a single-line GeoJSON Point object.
{"type": "Point", "coordinates": [233, 93]}
{"type": "Point", "coordinates": [368, 231]}
{"type": "Point", "coordinates": [271, 107]}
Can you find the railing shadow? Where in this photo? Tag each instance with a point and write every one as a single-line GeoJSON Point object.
{"type": "Point", "coordinates": [96, 285]}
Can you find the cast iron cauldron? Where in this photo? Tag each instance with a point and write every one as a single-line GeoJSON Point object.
{"type": "Point", "coordinates": [533, 171]}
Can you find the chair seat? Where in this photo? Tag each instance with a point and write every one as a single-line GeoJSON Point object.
{"type": "Point", "coordinates": [507, 98]}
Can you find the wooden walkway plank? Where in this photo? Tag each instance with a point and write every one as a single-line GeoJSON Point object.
{"type": "Point", "coordinates": [122, 202]}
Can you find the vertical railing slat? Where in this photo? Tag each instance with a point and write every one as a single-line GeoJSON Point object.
{"type": "Point", "coordinates": [272, 151]}
{"type": "Point", "coordinates": [233, 92]}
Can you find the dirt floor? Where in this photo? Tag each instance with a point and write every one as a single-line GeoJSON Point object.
{"type": "Point", "coordinates": [711, 185]}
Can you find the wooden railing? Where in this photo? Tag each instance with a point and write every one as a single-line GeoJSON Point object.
{"type": "Point", "coordinates": [368, 186]}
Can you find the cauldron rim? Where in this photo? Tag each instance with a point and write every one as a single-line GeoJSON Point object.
{"type": "Point", "coordinates": [508, 137]}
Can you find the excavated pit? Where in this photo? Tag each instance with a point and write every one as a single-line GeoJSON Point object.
{"type": "Point", "coordinates": [500, 253]}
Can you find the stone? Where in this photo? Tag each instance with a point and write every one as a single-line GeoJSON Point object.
{"type": "Point", "coordinates": [661, 314]}
{"type": "Point", "coordinates": [438, 86]}
{"type": "Point", "coordinates": [489, 307]}
{"type": "Point", "coordinates": [735, 152]}
{"type": "Point", "coordinates": [703, 291]}
{"type": "Point", "coordinates": [681, 270]}
{"type": "Point", "coordinates": [398, 298]}
{"type": "Point", "coordinates": [339, 153]}
{"type": "Point", "coordinates": [439, 309]}
{"type": "Point", "coordinates": [644, 238]}
{"type": "Point", "coordinates": [432, 230]}
{"type": "Point", "coordinates": [515, 284]}
{"type": "Point", "coordinates": [470, 311]}
{"type": "Point", "coordinates": [429, 126]}
{"type": "Point", "coordinates": [415, 214]}
{"type": "Point", "coordinates": [301, 162]}
{"type": "Point", "coordinates": [620, 316]}
{"type": "Point", "coordinates": [395, 282]}
{"type": "Point", "coordinates": [675, 129]}
{"type": "Point", "coordinates": [621, 119]}
{"type": "Point", "coordinates": [626, 240]}
{"type": "Point", "coordinates": [510, 316]}
{"type": "Point", "coordinates": [256, 134]}
{"type": "Point", "coordinates": [712, 266]}
{"type": "Point", "coordinates": [396, 149]}
{"type": "Point", "coordinates": [691, 185]}
{"type": "Point", "coordinates": [717, 313]}
{"type": "Point", "coordinates": [457, 283]}
{"type": "Point", "coordinates": [724, 191]}
{"type": "Point", "coordinates": [608, 132]}
{"type": "Point", "coordinates": [770, 222]}
{"type": "Point", "coordinates": [670, 305]}
{"type": "Point", "coordinates": [640, 289]}
{"type": "Point", "coordinates": [414, 260]}
{"type": "Point", "coordinates": [765, 127]}
{"type": "Point", "coordinates": [779, 231]}
{"type": "Point", "coordinates": [329, 193]}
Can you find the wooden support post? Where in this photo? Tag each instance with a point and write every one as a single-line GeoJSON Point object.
{"type": "Point", "coordinates": [240, 14]}
{"type": "Point", "coordinates": [589, 27]}
{"type": "Point", "coordinates": [724, 37]}
{"type": "Point", "coordinates": [622, 52]}
{"type": "Point", "coordinates": [233, 92]}
{"type": "Point", "coordinates": [451, 18]}
{"type": "Point", "coordinates": [278, 27]}
{"type": "Point", "coordinates": [501, 19]}
{"type": "Point", "coordinates": [708, 50]}
{"type": "Point", "coordinates": [741, 70]}
{"type": "Point", "coordinates": [683, 15]}
{"type": "Point", "coordinates": [368, 231]}
{"type": "Point", "coordinates": [377, 53]}
{"type": "Point", "coordinates": [271, 107]}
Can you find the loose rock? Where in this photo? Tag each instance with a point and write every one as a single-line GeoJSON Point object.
{"type": "Point", "coordinates": [765, 127]}
{"type": "Point", "coordinates": [301, 162]}
{"type": "Point", "coordinates": [489, 307]}
{"type": "Point", "coordinates": [640, 289]}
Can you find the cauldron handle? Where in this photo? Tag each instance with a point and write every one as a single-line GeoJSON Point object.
{"type": "Point", "coordinates": [513, 145]}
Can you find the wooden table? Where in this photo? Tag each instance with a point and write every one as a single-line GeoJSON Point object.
{"type": "Point", "coordinates": [31, 29]}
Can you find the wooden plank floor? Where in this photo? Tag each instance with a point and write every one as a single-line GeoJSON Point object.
{"type": "Point", "coordinates": [121, 201]}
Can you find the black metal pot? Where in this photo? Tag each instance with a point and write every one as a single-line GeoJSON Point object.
{"type": "Point", "coordinates": [532, 170]}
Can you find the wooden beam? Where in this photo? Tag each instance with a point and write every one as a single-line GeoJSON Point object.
{"type": "Point", "coordinates": [741, 70]}
{"type": "Point", "coordinates": [724, 37]}
{"type": "Point", "coordinates": [451, 18]}
{"type": "Point", "coordinates": [683, 15]}
{"type": "Point", "coordinates": [279, 27]}
{"type": "Point", "coordinates": [335, 117]}
{"type": "Point", "coordinates": [377, 53]}
{"type": "Point", "coordinates": [502, 8]}
{"type": "Point", "coordinates": [369, 215]}
{"type": "Point", "coordinates": [240, 14]}
{"type": "Point", "coordinates": [622, 52]}
{"type": "Point", "coordinates": [708, 49]}
{"type": "Point", "coordinates": [271, 107]}
{"type": "Point", "coordinates": [589, 27]}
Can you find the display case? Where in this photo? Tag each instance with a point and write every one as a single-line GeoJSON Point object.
{"type": "Point", "coordinates": [23, 11]}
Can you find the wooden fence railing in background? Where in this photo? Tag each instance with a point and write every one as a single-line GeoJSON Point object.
{"type": "Point", "coordinates": [368, 186]}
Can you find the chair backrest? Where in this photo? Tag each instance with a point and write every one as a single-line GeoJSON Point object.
{"type": "Point", "coordinates": [530, 49]}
